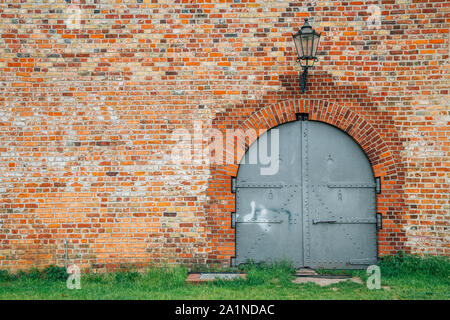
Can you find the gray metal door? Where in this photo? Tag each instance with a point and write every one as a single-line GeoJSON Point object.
{"type": "Point", "coordinates": [317, 210]}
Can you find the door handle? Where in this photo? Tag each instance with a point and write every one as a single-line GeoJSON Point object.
{"type": "Point", "coordinates": [324, 221]}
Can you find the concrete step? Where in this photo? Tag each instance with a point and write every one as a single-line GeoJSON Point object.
{"type": "Point", "coordinates": [211, 276]}
{"type": "Point", "coordinates": [305, 272]}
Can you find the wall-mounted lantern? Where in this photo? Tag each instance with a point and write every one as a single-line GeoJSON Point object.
{"type": "Point", "coordinates": [306, 42]}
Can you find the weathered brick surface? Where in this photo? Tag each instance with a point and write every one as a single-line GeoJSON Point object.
{"type": "Point", "coordinates": [89, 104]}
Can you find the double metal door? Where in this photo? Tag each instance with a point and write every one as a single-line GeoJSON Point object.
{"type": "Point", "coordinates": [317, 209]}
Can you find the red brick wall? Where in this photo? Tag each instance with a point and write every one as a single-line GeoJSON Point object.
{"type": "Point", "coordinates": [92, 91]}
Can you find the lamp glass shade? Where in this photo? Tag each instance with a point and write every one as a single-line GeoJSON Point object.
{"type": "Point", "coordinates": [306, 43]}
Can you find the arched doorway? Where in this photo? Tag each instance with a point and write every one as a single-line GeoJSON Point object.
{"type": "Point", "coordinates": [317, 210]}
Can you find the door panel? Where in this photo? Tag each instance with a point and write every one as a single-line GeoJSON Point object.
{"type": "Point", "coordinates": [317, 210]}
{"type": "Point", "coordinates": [288, 157]}
{"type": "Point", "coordinates": [268, 227]}
{"type": "Point", "coordinates": [341, 196]}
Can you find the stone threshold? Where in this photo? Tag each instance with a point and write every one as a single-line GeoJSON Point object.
{"type": "Point", "coordinates": [211, 276]}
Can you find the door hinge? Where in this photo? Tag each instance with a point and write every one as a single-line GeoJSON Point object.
{"type": "Point", "coordinates": [233, 184]}
{"type": "Point", "coordinates": [259, 185]}
{"type": "Point", "coordinates": [233, 262]}
{"type": "Point", "coordinates": [351, 185]}
{"type": "Point", "coordinates": [233, 220]}
{"type": "Point", "coordinates": [378, 185]}
{"type": "Point", "coordinates": [379, 221]}
{"type": "Point", "coordinates": [262, 221]}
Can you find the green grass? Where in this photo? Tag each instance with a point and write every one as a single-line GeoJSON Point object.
{"type": "Point", "coordinates": [408, 277]}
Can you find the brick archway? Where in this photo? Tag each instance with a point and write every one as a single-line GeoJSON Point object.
{"type": "Point", "coordinates": [384, 165]}
{"type": "Point", "coordinates": [357, 127]}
